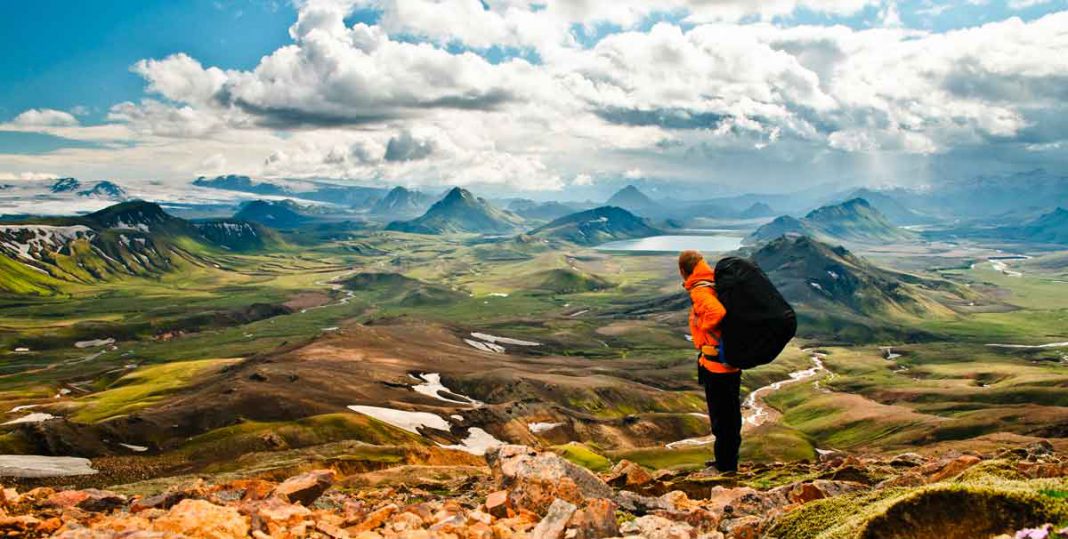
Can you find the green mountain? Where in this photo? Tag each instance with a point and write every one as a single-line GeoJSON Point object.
{"type": "Point", "coordinates": [460, 212]}
{"type": "Point", "coordinates": [273, 213]}
{"type": "Point", "coordinates": [853, 220]}
{"type": "Point", "coordinates": [596, 226]}
{"type": "Point", "coordinates": [134, 238]}
{"type": "Point", "coordinates": [832, 288]}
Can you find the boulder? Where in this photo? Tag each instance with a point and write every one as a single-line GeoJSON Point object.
{"type": "Point", "coordinates": [907, 460]}
{"type": "Point", "coordinates": [596, 520]}
{"type": "Point", "coordinates": [946, 469]}
{"type": "Point", "coordinates": [821, 488]}
{"type": "Point", "coordinates": [90, 499]}
{"type": "Point", "coordinates": [656, 527]}
{"type": "Point", "coordinates": [305, 488]}
{"type": "Point", "coordinates": [280, 518]}
{"type": "Point", "coordinates": [375, 519]}
{"type": "Point", "coordinates": [555, 521]}
{"type": "Point", "coordinates": [534, 480]}
{"type": "Point", "coordinates": [163, 500]}
{"type": "Point", "coordinates": [747, 527]}
{"type": "Point", "coordinates": [628, 476]}
{"type": "Point", "coordinates": [200, 518]}
{"type": "Point", "coordinates": [497, 504]}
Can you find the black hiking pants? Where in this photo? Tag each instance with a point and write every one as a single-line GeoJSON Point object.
{"type": "Point", "coordinates": [722, 393]}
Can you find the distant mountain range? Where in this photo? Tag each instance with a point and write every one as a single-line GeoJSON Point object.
{"type": "Point", "coordinates": [353, 196]}
{"type": "Point", "coordinates": [283, 214]}
{"type": "Point", "coordinates": [853, 220]}
{"type": "Point", "coordinates": [596, 226]}
{"type": "Point", "coordinates": [1050, 228]}
{"type": "Point", "coordinates": [542, 211]}
{"type": "Point", "coordinates": [460, 212]}
{"type": "Point", "coordinates": [130, 238]}
{"type": "Point", "coordinates": [401, 203]}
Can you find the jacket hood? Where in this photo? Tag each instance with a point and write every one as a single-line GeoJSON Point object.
{"type": "Point", "coordinates": [702, 272]}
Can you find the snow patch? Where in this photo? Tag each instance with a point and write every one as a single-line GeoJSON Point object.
{"type": "Point", "coordinates": [402, 419]}
{"type": "Point", "coordinates": [1032, 346]}
{"type": "Point", "coordinates": [36, 417]}
{"type": "Point", "coordinates": [538, 428]}
{"type": "Point", "coordinates": [94, 343]}
{"type": "Point", "coordinates": [43, 466]}
{"type": "Point", "coordinates": [432, 387]}
{"type": "Point", "coordinates": [503, 340]}
{"type": "Point", "coordinates": [477, 442]}
{"type": "Point", "coordinates": [485, 346]}
{"type": "Point", "coordinates": [135, 448]}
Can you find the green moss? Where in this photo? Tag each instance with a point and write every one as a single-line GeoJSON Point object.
{"type": "Point", "coordinates": [584, 456]}
{"type": "Point", "coordinates": [950, 510]}
{"type": "Point", "coordinates": [142, 388]}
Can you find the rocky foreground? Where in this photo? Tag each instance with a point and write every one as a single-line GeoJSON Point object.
{"type": "Point", "coordinates": [1020, 492]}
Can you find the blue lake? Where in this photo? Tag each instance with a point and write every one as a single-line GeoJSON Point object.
{"type": "Point", "coordinates": [716, 243]}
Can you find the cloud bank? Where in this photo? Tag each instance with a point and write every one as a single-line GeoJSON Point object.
{"type": "Point", "coordinates": [510, 93]}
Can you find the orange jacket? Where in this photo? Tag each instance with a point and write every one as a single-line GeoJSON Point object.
{"type": "Point", "coordinates": [706, 314]}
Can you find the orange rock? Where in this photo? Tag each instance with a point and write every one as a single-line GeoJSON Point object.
{"type": "Point", "coordinates": [331, 530]}
{"type": "Point", "coordinates": [628, 475]}
{"type": "Point", "coordinates": [375, 519]}
{"type": "Point", "coordinates": [1042, 470]}
{"type": "Point", "coordinates": [497, 504]}
{"type": "Point", "coordinates": [554, 523]}
{"type": "Point", "coordinates": [281, 517]}
{"type": "Point", "coordinates": [596, 520]}
{"type": "Point", "coordinates": [405, 521]}
{"type": "Point", "coordinates": [479, 530]}
{"type": "Point", "coordinates": [200, 518]}
{"type": "Point", "coordinates": [953, 468]}
{"type": "Point", "coordinates": [305, 488]}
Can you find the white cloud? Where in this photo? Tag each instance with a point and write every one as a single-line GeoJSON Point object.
{"type": "Point", "coordinates": [734, 84]}
{"type": "Point", "coordinates": [45, 118]}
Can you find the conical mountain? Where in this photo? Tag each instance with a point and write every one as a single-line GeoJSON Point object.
{"type": "Point", "coordinates": [134, 214]}
{"type": "Point", "coordinates": [634, 200]}
{"type": "Point", "coordinates": [830, 281]}
{"type": "Point", "coordinates": [460, 211]}
{"type": "Point", "coordinates": [596, 226]}
{"type": "Point", "coordinates": [400, 203]}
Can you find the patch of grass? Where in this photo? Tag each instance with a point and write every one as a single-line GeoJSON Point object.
{"type": "Point", "coordinates": [657, 458]}
{"type": "Point", "coordinates": [143, 388]}
{"type": "Point", "coordinates": [584, 456]}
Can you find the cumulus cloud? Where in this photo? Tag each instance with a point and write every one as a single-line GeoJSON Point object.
{"type": "Point", "coordinates": [416, 98]}
{"type": "Point", "coordinates": [45, 118]}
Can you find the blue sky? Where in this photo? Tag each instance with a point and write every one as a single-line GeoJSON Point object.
{"type": "Point", "coordinates": [533, 95]}
{"type": "Point", "coordinates": [64, 54]}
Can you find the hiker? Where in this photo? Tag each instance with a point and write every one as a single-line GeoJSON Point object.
{"type": "Point", "coordinates": [722, 382]}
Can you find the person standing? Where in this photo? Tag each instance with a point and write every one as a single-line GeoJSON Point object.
{"type": "Point", "coordinates": [722, 382]}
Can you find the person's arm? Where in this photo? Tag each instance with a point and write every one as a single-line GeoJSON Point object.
{"type": "Point", "coordinates": [707, 308]}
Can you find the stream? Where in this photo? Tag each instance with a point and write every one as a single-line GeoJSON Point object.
{"type": "Point", "coordinates": [755, 411]}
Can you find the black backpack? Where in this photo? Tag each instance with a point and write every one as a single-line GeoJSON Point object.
{"type": "Point", "coordinates": [759, 322]}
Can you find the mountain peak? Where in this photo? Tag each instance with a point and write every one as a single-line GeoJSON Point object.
{"type": "Point", "coordinates": [65, 185]}
{"type": "Point", "coordinates": [132, 214]}
{"type": "Point", "coordinates": [459, 211]}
